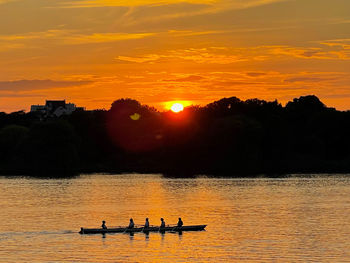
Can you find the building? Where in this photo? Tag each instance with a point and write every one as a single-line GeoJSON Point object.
{"type": "Point", "coordinates": [37, 108]}
{"type": "Point", "coordinates": [55, 108]}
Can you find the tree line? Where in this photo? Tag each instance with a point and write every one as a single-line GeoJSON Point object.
{"type": "Point", "coordinates": [228, 137]}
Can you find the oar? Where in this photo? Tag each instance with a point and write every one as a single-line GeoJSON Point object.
{"type": "Point", "coordinates": [173, 230]}
{"type": "Point", "coordinates": [125, 231]}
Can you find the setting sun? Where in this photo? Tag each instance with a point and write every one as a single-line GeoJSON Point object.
{"type": "Point", "coordinates": [177, 107]}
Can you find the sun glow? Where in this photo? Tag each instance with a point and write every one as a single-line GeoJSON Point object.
{"type": "Point", "coordinates": [177, 107]}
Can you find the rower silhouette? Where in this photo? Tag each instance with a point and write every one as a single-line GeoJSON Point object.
{"type": "Point", "coordinates": [162, 224]}
{"type": "Point", "coordinates": [146, 223]}
{"type": "Point", "coordinates": [180, 223]}
{"type": "Point", "coordinates": [104, 225]}
{"type": "Point", "coordinates": [131, 224]}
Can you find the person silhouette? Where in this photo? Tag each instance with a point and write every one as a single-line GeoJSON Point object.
{"type": "Point", "coordinates": [104, 225]}
{"type": "Point", "coordinates": [146, 223]}
{"type": "Point", "coordinates": [180, 223]}
{"type": "Point", "coordinates": [131, 224]}
{"type": "Point", "coordinates": [162, 224]}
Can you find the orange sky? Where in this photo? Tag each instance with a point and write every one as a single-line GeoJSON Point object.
{"type": "Point", "coordinates": [92, 52]}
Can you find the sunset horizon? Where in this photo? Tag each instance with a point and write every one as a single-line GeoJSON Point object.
{"type": "Point", "coordinates": [174, 105]}
{"type": "Point", "coordinates": [198, 51]}
{"type": "Point", "coordinates": [174, 131]}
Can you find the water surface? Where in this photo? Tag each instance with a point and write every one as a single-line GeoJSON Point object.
{"type": "Point", "coordinates": [249, 220]}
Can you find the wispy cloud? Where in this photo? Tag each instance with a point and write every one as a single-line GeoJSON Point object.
{"type": "Point", "coordinates": [73, 37]}
{"type": "Point", "coordinates": [217, 3]}
{"type": "Point", "coordinates": [190, 78]}
{"type": "Point", "coordinates": [30, 85]}
{"type": "Point", "coordinates": [336, 50]}
{"type": "Point", "coordinates": [186, 33]}
{"type": "Point", "coordinates": [7, 1]}
{"type": "Point", "coordinates": [197, 55]}
{"type": "Point", "coordinates": [141, 12]}
{"type": "Point", "coordinates": [143, 59]}
{"type": "Point", "coordinates": [104, 37]}
{"type": "Point", "coordinates": [310, 53]}
{"type": "Point", "coordinates": [10, 46]}
{"type": "Point", "coordinates": [104, 3]}
{"type": "Point", "coordinates": [344, 43]}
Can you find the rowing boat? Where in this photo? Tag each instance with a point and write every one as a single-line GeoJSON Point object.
{"type": "Point", "coordinates": [141, 229]}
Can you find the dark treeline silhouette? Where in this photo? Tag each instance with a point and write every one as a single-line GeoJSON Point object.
{"type": "Point", "coordinates": [228, 137]}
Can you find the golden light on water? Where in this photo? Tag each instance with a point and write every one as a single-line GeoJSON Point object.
{"type": "Point", "coordinates": [246, 219]}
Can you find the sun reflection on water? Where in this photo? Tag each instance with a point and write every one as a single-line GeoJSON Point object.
{"type": "Point", "coordinates": [248, 220]}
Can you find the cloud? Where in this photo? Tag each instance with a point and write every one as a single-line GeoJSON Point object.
{"type": "Point", "coordinates": [306, 79]}
{"type": "Point", "coordinates": [143, 59]}
{"type": "Point", "coordinates": [226, 55]}
{"type": "Point", "coordinates": [218, 4]}
{"type": "Point", "coordinates": [338, 96]}
{"type": "Point", "coordinates": [71, 37]}
{"type": "Point", "coordinates": [7, 1]}
{"type": "Point", "coordinates": [104, 37]}
{"type": "Point", "coordinates": [30, 85]}
{"type": "Point", "coordinates": [197, 55]}
{"type": "Point", "coordinates": [343, 43]}
{"type": "Point", "coordinates": [191, 78]}
{"type": "Point", "coordinates": [16, 95]}
{"type": "Point", "coordinates": [256, 74]}
{"type": "Point", "coordinates": [187, 33]}
{"type": "Point", "coordinates": [146, 11]}
{"type": "Point", "coordinates": [330, 50]}
{"type": "Point", "coordinates": [11, 46]}
{"type": "Point", "coordinates": [111, 3]}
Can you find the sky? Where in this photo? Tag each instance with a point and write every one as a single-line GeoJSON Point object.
{"type": "Point", "coordinates": [92, 52]}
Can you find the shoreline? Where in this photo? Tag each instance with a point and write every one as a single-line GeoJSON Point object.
{"type": "Point", "coordinates": [301, 174]}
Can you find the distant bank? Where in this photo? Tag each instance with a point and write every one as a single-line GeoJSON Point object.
{"type": "Point", "coordinates": [229, 137]}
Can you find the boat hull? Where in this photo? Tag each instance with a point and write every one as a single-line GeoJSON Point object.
{"type": "Point", "coordinates": [141, 229]}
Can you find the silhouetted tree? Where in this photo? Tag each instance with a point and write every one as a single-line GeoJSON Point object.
{"type": "Point", "coordinates": [50, 148]}
{"type": "Point", "coordinates": [134, 127]}
{"type": "Point", "coordinates": [10, 138]}
{"type": "Point", "coordinates": [229, 137]}
{"type": "Point", "coordinates": [305, 105]}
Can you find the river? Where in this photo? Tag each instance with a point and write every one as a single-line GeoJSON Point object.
{"type": "Point", "coordinates": [294, 219]}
